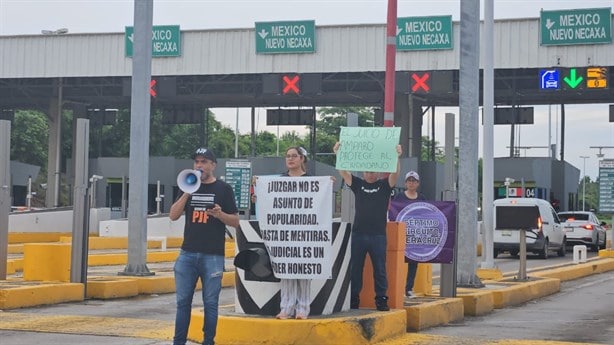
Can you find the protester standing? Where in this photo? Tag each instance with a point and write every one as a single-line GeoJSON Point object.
{"type": "Point", "coordinates": [207, 212]}
{"type": "Point", "coordinates": [412, 182]}
{"type": "Point", "coordinates": [372, 196]}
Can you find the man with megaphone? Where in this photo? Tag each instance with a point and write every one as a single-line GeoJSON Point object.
{"type": "Point", "coordinates": [209, 206]}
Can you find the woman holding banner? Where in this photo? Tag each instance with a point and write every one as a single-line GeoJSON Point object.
{"type": "Point", "coordinates": [412, 182]}
{"type": "Point", "coordinates": [295, 299]}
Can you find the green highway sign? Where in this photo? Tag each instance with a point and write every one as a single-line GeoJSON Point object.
{"type": "Point", "coordinates": [165, 40]}
{"type": "Point", "coordinates": [286, 37]}
{"type": "Point", "coordinates": [580, 26]}
{"type": "Point", "coordinates": [424, 33]}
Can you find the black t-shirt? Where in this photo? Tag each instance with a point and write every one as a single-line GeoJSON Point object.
{"type": "Point", "coordinates": [371, 205]}
{"type": "Point", "coordinates": [203, 233]}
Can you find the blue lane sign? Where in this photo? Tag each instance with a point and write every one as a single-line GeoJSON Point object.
{"type": "Point", "coordinates": [549, 79]}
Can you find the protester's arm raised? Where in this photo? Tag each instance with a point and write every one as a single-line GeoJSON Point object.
{"type": "Point", "coordinates": [392, 178]}
{"type": "Point", "coordinates": [347, 177]}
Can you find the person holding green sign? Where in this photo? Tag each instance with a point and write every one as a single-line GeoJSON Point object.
{"type": "Point", "coordinates": [369, 229]}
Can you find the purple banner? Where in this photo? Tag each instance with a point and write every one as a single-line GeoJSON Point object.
{"type": "Point", "coordinates": [430, 228]}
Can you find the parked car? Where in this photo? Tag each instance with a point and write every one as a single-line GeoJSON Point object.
{"type": "Point", "coordinates": [546, 236]}
{"type": "Point", "coordinates": [583, 227]}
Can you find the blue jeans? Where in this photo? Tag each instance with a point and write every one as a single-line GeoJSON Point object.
{"type": "Point", "coordinates": [412, 268]}
{"type": "Point", "coordinates": [375, 245]}
{"type": "Point", "coordinates": [188, 268]}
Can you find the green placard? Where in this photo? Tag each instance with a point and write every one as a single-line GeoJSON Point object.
{"type": "Point", "coordinates": [238, 175]}
{"type": "Point", "coordinates": [286, 37]}
{"type": "Point", "coordinates": [165, 41]}
{"type": "Point", "coordinates": [581, 26]}
{"type": "Point", "coordinates": [368, 149]}
{"type": "Point", "coordinates": [424, 33]}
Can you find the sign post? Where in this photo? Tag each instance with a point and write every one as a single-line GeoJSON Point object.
{"type": "Point", "coordinates": [286, 37]}
{"type": "Point", "coordinates": [165, 41]}
{"type": "Point", "coordinates": [580, 26]}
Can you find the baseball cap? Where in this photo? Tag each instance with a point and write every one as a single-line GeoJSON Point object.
{"type": "Point", "coordinates": [412, 174]}
{"type": "Point", "coordinates": [208, 154]}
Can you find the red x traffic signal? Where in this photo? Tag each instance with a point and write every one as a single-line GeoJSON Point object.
{"type": "Point", "coordinates": [291, 84]}
{"type": "Point", "coordinates": [420, 82]}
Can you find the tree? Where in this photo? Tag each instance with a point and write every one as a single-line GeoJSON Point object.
{"type": "Point", "coordinates": [425, 153]}
{"type": "Point", "coordinates": [29, 138]}
{"type": "Point", "coordinates": [329, 127]}
{"type": "Point", "coordinates": [591, 194]}
{"type": "Point", "coordinates": [333, 118]}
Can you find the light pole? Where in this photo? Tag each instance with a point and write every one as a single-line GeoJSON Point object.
{"type": "Point", "coordinates": [583, 181]}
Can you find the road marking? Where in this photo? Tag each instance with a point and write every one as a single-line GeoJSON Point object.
{"type": "Point", "coordinates": [90, 325]}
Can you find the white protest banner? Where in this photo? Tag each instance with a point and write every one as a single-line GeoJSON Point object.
{"type": "Point", "coordinates": [295, 219]}
{"type": "Point", "coordinates": [368, 149]}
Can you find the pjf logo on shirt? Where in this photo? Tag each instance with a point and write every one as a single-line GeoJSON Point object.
{"type": "Point", "coordinates": [200, 216]}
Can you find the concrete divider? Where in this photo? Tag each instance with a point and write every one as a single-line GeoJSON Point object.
{"type": "Point", "coordinates": [489, 274]}
{"type": "Point", "coordinates": [578, 271]}
{"type": "Point", "coordinates": [101, 243]}
{"type": "Point", "coordinates": [14, 265]}
{"type": "Point", "coordinates": [109, 288]}
{"type": "Point", "coordinates": [423, 283]}
{"type": "Point", "coordinates": [15, 248]}
{"type": "Point", "coordinates": [53, 221]}
{"type": "Point", "coordinates": [356, 329]}
{"type": "Point", "coordinates": [46, 262]}
{"type": "Point", "coordinates": [512, 293]}
{"type": "Point", "coordinates": [15, 295]}
{"type": "Point", "coordinates": [425, 312]}
{"type": "Point", "coordinates": [35, 237]}
{"type": "Point", "coordinates": [476, 302]}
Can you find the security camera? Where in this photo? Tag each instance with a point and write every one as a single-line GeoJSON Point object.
{"type": "Point", "coordinates": [43, 186]}
{"type": "Point", "coordinates": [96, 177]}
{"type": "Point", "coordinates": [508, 181]}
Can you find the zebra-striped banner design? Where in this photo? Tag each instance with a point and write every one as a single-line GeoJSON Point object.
{"type": "Point", "coordinates": [261, 296]}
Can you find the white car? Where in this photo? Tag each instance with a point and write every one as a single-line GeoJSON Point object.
{"type": "Point", "coordinates": [546, 236]}
{"type": "Point", "coordinates": [583, 227]}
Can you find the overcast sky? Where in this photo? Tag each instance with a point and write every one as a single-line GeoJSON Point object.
{"type": "Point", "coordinates": [587, 125]}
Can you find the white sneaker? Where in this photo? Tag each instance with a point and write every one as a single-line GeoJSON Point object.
{"type": "Point", "coordinates": [410, 294]}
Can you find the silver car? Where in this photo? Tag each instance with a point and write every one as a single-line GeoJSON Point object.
{"type": "Point", "coordinates": [583, 227]}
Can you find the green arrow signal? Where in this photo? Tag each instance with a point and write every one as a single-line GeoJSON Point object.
{"type": "Point", "coordinates": [572, 80]}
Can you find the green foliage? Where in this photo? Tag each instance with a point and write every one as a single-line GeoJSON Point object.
{"type": "Point", "coordinates": [426, 151]}
{"type": "Point", "coordinates": [591, 194]}
{"type": "Point", "coordinates": [333, 118]}
{"type": "Point", "coordinates": [29, 138]}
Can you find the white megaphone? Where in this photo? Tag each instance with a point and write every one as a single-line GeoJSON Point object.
{"type": "Point", "coordinates": [188, 180]}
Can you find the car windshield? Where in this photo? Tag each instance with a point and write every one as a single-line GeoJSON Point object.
{"type": "Point", "coordinates": [573, 216]}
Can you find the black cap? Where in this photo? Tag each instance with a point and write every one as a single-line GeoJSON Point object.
{"type": "Point", "coordinates": [208, 154]}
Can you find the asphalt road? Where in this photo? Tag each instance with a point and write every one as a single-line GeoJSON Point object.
{"type": "Point", "coordinates": [583, 311]}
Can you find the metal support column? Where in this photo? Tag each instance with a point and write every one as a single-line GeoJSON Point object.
{"type": "Point", "coordinates": [140, 109]}
{"type": "Point", "coordinates": [5, 193]}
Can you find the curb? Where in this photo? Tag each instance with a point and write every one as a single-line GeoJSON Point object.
{"type": "Point", "coordinates": [521, 292]}
{"type": "Point", "coordinates": [352, 330]}
{"type": "Point", "coordinates": [425, 312]}
{"type": "Point", "coordinates": [13, 294]}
